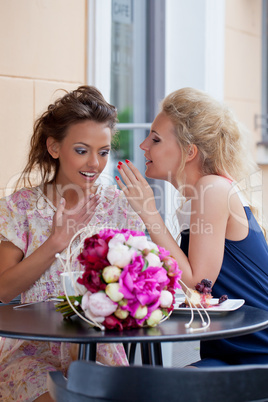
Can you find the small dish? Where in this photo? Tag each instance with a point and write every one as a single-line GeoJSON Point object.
{"type": "Point", "coordinates": [215, 307]}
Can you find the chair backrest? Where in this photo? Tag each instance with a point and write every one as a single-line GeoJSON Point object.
{"type": "Point", "coordinates": [89, 381]}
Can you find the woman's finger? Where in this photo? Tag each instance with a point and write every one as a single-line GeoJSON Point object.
{"type": "Point", "coordinates": [136, 172]}
{"type": "Point", "coordinates": [133, 193]}
{"type": "Point", "coordinates": [126, 175]}
{"type": "Point", "coordinates": [92, 200]}
{"type": "Point", "coordinates": [130, 189]}
{"type": "Point", "coordinates": [137, 188]}
{"type": "Point", "coordinates": [89, 207]}
{"type": "Point", "coordinates": [121, 185]}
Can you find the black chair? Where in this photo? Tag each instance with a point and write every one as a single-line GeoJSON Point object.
{"type": "Point", "coordinates": [88, 381]}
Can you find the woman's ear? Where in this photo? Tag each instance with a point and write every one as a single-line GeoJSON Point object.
{"type": "Point", "coordinates": [53, 147]}
{"type": "Point", "coordinates": [192, 152]}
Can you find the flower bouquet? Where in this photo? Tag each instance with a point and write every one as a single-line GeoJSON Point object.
{"type": "Point", "coordinates": [126, 281]}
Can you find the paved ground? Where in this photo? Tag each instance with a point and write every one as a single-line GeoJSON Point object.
{"type": "Point", "coordinates": [177, 354]}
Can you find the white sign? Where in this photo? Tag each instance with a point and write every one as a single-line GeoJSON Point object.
{"type": "Point", "coordinates": [122, 11]}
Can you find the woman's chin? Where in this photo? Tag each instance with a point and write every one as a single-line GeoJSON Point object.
{"type": "Point", "coordinates": [148, 173]}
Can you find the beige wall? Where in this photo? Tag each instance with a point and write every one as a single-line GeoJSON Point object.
{"type": "Point", "coordinates": [242, 79]}
{"type": "Point", "coordinates": [42, 49]}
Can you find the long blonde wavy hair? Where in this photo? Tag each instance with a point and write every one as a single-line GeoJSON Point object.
{"type": "Point", "coordinates": [222, 141]}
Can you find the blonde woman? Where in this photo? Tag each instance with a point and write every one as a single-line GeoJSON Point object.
{"type": "Point", "coordinates": [196, 144]}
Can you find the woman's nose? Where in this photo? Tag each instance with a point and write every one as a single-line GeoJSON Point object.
{"type": "Point", "coordinates": [93, 161]}
{"type": "Point", "coordinates": [143, 145]}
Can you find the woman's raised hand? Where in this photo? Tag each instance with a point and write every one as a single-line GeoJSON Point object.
{"type": "Point", "coordinates": [67, 222]}
{"type": "Point", "coordinates": [136, 189]}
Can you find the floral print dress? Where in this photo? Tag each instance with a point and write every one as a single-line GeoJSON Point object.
{"type": "Point", "coordinates": [26, 220]}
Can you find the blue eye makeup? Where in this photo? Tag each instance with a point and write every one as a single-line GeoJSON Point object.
{"type": "Point", "coordinates": [80, 151]}
{"type": "Point", "coordinates": [83, 150]}
{"type": "Point", "coordinates": [105, 152]}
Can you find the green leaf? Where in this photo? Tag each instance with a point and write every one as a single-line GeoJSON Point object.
{"type": "Point", "coordinates": [145, 266]}
{"type": "Point", "coordinates": [165, 312]}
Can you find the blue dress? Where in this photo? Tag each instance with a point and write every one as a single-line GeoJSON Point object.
{"type": "Point", "coordinates": [243, 275]}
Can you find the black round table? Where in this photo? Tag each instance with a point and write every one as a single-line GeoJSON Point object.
{"type": "Point", "coordinates": [42, 322]}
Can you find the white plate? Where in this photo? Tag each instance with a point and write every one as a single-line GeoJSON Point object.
{"type": "Point", "coordinates": [227, 305]}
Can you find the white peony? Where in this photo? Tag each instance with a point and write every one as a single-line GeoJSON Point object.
{"type": "Point", "coordinates": [166, 298]}
{"type": "Point", "coordinates": [117, 239]}
{"type": "Point", "coordinates": [153, 260]}
{"type": "Point", "coordinates": [119, 254]}
{"type": "Point", "coordinates": [152, 246]}
{"type": "Point", "coordinates": [141, 243]}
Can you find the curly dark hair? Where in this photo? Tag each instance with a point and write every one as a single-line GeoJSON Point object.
{"type": "Point", "coordinates": [84, 103]}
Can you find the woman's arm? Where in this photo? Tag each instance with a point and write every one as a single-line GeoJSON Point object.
{"type": "Point", "coordinates": [209, 217]}
{"type": "Point", "coordinates": [18, 274]}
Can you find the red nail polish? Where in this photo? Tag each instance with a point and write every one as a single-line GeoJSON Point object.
{"type": "Point", "coordinates": [120, 163]}
{"type": "Point", "coordinates": [118, 167]}
{"type": "Point", "coordinates": [116, 177]}
{"type": "Point", "coordinates": [127, 161]}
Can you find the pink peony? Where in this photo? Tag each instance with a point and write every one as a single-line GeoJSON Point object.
{"type": "Point", "coordinates": [163, 252]}
{"type": "Point", "coordinates": [98, 305]}
{"type": "Point", "coordinates": [142, 287]}
{"type": "Point", "coordinates": [174, 273]}
{"type": "Point", "coordinates": [108, 234]}
{"type": "Point", "coordinates": [171, 266]}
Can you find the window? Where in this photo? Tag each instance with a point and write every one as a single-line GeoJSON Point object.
{"type": "Point", "coordinates": [128, 37]}
{"type": "Point", "coordinates": [128, 74]}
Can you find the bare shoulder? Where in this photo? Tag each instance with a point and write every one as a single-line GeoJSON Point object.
{"type": "Point", "coordinates": [214, 184]}
{"type": "Point", "coordinates": [215, 181]}
{"type": "Point", "coordinates": [213, 192]}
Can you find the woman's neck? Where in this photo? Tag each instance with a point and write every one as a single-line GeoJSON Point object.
{"type": "Point", "coordinates": [187, 186]}
{"type": "Point", "coordinates": [54, 191]}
